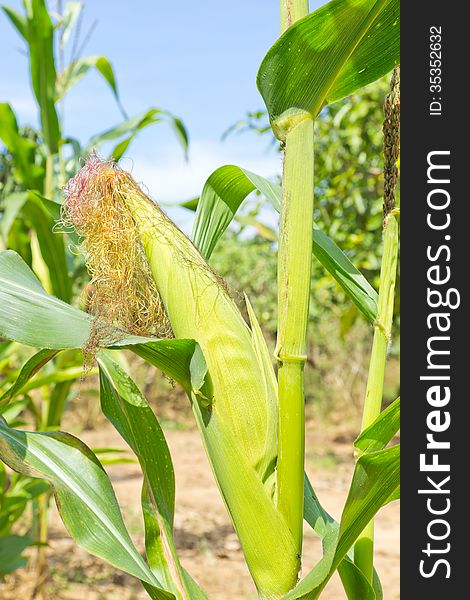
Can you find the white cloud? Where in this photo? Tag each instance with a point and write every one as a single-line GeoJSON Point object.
{"type": "Point", "coordinates": [169, 179]}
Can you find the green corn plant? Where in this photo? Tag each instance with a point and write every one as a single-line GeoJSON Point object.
{"type": "Point", "coordinates": [156, 294]}
{"type": "Point", "coordinates": [34, 166]}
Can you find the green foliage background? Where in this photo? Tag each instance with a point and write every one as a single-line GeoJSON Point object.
{"type": "Point", "coordinates": [348, 208]}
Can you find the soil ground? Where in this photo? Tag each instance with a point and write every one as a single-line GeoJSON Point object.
{"type": "Point", "coordinates": [207, 544]}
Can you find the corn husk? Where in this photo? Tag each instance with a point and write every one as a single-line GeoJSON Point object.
{"type": "Point", "coordinates": [236, 408]}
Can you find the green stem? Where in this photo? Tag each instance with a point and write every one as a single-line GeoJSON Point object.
{"type": "Point", "coordinates": [294, 274]}
{"type": "Point", "coordinates": [41, 562]}
{"type": "Point", "coordinates": [364, 547]}
{"type": "Point", "coordinates": [49, 178]}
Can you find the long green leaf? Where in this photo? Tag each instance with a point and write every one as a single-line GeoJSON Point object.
{"type": "Point", "coordinates": [381, 431]}
{"type": "Point", "coordinates": [40, 38]}
{"type": "Point", "coordinates": [18, 21]}
{"type": "Point", "coordinates": [52, 247]}
{"type": "Point", "coordinates": [17, 498]}
{"type": "Point", "coordinates": [353, 282]}
{"type": "Point", "coordinates": [60, 375]}
{"type": "Point", "coordinates": [131, 125]}
{"type": "Point", "coordinates": [129, 412]}
{"type": "Point", "coordinates": [340, 47]}
{"type": "Point", "coordinates": [105, 68]}
{"type": "Point", "coordinates": [13, 203]}
{"type": "Point", "coordinates": [30, 316]}
{"type": "Point", "coordinates": [22, 149]}
{"type": "Point", "coordinates": [72, 74]}
{"type": "Point", "coordinates": [58, 399]}
{"type": "Point", "coordinates": [19, 240]}
{"type": "Point", "coordinates": [31, 367]}
{"type": "Point", "coordinates": [354, 582]}
{"type": "Point", "coordinates": [315, 515]}
{"type": "Point", "coordinates": [84, 495]}
{"type": "Point", "coordinates": [11, 552]}
{"type": "Point", "coordinates": [376, 54]}
{"type": "Point", "coordinates": [222, 196]}
{"type": "Point", "coordinates": [128, 130]}
{"type": "Point", "coordinates": [182, 360]}
{"type": "Point", "coordinates": [376, 478]}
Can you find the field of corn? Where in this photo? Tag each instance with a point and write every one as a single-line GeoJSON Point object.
{"type": "Point", "coordinates": [212, 415]}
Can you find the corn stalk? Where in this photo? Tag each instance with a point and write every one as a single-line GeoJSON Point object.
{"type": "Point", "coordinates": [364, 547]}
{"type": "Point", "coordinates": [294, 275]}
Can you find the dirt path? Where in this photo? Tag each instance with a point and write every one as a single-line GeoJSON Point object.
{"type": "Point", "coordinates": [207, 544]}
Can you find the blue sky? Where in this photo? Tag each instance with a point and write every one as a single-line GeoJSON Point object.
{"type": "Point", "coordinates": [197, 59]}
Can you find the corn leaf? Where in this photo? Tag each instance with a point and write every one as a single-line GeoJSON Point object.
{"type": "Point", "coordinates": [190, 204]}
{"type": "Point", "coordinates": [72, 74]}
{"type": "Point", "coordinates": [376, 54]}
{"type": "Point", "coordinates": [130, 126]}
{"type": "Point", "coordinates": [30, 316]}
{"type": "Point", "coordinates": [60, 375]}
{"type": "Point", "coordinates": [353, 282]}
{"type": "Point", "coordinates": [29, 370]}
{"type": "Point", "coordinates": [378, 435]}
{"type": "Point", "coordinates": [22, 149]}
{"type": "Point", "coordinates": [84, 496]}
{"type": "Point", "coordinates": [130, 414]}
{"type": "Point", "coordinates": [17, 497]}
{"type": "Point", "coordinates": [11, 411]}
{"type": "Point", "coordinates": [221, 197]}
{"type": "Point", "coordinates": [182, 360]}
{"type": "Point", "coordinates": [376, 477]}
{"type": "Point", "coordinates": [74, 162]}
{"type": "Point", "coordinates": [6, 348]}
{"type": "Point", "coordinates": [40, 38]}
{"type": "Point", "coordinates": [355, 584]}
{"type": "Point", "coordinates": [53, 207]}
{"type": "Point", "coordinates": [17, 20]}
{"type": "Point", "coordinates": [315, 515]}
{"type": "Point", "coordinates": [52, 247]}
{"type": "Point", "coordinates": [223, 192]}
{"type": "Point", "coordinates": [337, 49]}
{"type": "Point", "coordinates": [56, 406]}
{"type": "Point", "coordinates": [106, 70]}
{"type": "Point", "coordinates": [128, 130]}
{"type": "Point", "coordinates": [13, 203]}
{"type": "Point", "coordinates": [11, 552]}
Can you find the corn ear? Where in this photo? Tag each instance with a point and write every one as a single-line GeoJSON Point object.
{"type": "Point", "coordinates": [236, 409]}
